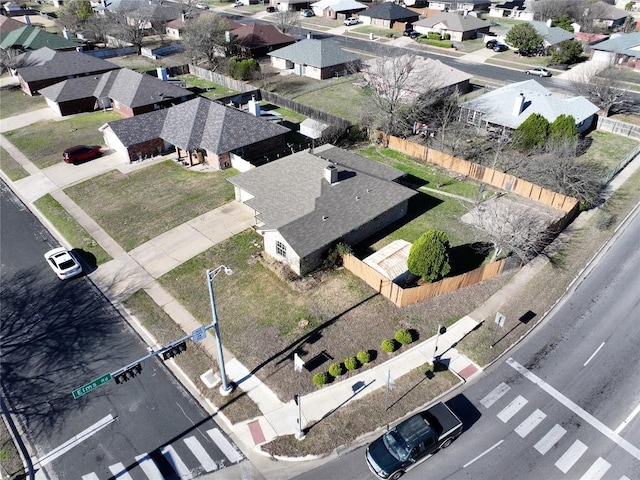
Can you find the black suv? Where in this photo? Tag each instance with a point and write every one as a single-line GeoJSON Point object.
{"type": "Point", "coordinates": [491, 43]}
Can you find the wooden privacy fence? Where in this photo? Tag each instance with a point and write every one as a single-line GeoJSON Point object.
{"type": "Point", "coordinates": [483, 174]}
{"type": "Point", "coordinates": [408, 296]}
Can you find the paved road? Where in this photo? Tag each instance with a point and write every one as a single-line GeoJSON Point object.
{"type": "Point", "coordinates": [57, 336]}
{"type": "Point", "coordinates": [564, 404]}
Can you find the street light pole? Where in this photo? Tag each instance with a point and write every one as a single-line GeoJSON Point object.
{"type": "Point", "coordinates": [225, 388]}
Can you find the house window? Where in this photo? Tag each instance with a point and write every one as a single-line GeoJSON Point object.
{"type": "Point", "coordinates": [281, 249]}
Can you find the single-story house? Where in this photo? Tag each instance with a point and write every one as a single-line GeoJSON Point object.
{"type": "Point", "coordinates": [507, 107]}
{"type": "Point", "coordinates": [30, 38]}
{"type": "Point", "coordinates": [7, 24]}
{"type": "Point", "coordinates": [551, 35]}
{"type": "Point", "coordinates": [607, 15]}
{"type": "Point", "coordinates": [388, 15]}
{"type": "Point", "coordinates": [518, 9]}
{"type": "Point", "coordinates": [419, 76]}
{"type": "Point", "coordinates": [308, 202]}
{"type": "Point", "coordinates": [337, 9]}
{"type": "Point", "coordinates": [621, 49]}
{"type": "Point", "coordinates": [287, 5]}
{"type": "Point", "coordinates": [460, 27]}
{"type": "Point", "coordinates": [175, 28]}
{"type": "Point", "coordinates": [206, 130]}
{"type": "Point", "coordinates": [44, 67]}
{"type": "Point", "coordinates": [319, 59]}
{"type": "Point", "coordinates": [257, 40]}
{"type": "Point", "coordinates": [127, 92]}
{"type": "Point", "coordinates": [459, 5]}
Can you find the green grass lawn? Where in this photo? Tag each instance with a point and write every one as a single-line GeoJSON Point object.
{"type": "Point", "coordinates": [139, 206]}
{"type": "Point", "coordinates": [70, 229]}
{"type": "Point", "coordinates": [14, 101]}
{"type": "Point", "coordinates": [208, 89]}
{"type": "Point", "coordinates": [44, 142]}
{"type": "Point", "coordinates": [10, 167]}
{"type": "Point", "coordinates": [608, 148]}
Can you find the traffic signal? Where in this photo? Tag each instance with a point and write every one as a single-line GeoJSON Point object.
{"type": "Point", "coordinates": [175, 350]}
{"type": "Point", "coordinates": [128, 374]}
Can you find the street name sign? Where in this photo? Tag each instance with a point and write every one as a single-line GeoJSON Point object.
{"type": "Point", "coordinates": [98, 382]}
{"type": "Point", "coordinates": [198, 334]}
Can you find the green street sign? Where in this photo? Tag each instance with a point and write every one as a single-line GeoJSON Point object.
{"type": "Point", "coordinates": [98, 382]}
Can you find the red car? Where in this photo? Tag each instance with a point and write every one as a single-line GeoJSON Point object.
{"type": "Point", "coordinates": [81, 153]}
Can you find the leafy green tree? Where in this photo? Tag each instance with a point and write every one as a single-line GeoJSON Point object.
{"type": "Point", "coordinates": [524, 37]}
{"type": "Point", "coordinates": [563, 21]}
{"type": "Point", "coordinates": [532, 133]}
{"type": "Point", "coordinates": [75, 13]}
{"type": "Point", "coordinates": [242, 69]}
{"type": "Point", "coordinates": [429, 256]}
{"type": "Point", "coordinates": [563, 127]}
{"type": "Point", "coordinates": [569, 51]}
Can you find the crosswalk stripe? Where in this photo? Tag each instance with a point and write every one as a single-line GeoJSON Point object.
{"type": "Point", "coordinates": [597, 470]}
{"type": "Point", "coordinates": [176, 462]}
{"type": "Point", "coordinates": [571, 456]}
{"type": "Point", "coordinates": [120, 472]}
{"type": "Point", "coordinates": [550, 439]}
{"type": "Point", "coordinates": [494, 395]}
{"type": "Point", "coordinates": [201, 454]}
{"type": "Point", "coordinates": [223, 444]}
{"type": "Point", "coordinates": [93, 476]}
{"type": "Point", "coordinates": [530, 423]}
{"type": "Point", "coordinates": [624, 477]}
{"type": "Point", "coordinates": [149, 467]}
{"type": "Point", "coordinates": [513, 408]}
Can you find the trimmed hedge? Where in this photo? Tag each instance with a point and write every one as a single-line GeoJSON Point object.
{"type": "Point", "coordinates": [436, 43]}
{"type": "Point", "coordinates": [404, 336]}
{"type": "Point", "coordinates": [320, 378]}
{"type": "Point", "coordinates": [351, 363]}
{"type": "Point", "coordinates": [335, 370]}
{"type": "Point", "coordinates": [363, 356]}
{"type": "Point", "coordinates": [388, 345]}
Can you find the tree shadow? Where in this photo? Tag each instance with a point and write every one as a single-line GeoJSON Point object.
{"type": "Point", "coordinates": [467, 257]}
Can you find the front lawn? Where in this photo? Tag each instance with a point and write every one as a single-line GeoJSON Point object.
{"type": "Point", "coordinates": [10, 167]}
{"type": "Point", "coordinates": [145, 203]}
{"type": "Point", "coordinates": [14, 102]}
{"type": "Point", "coordinates": [44, 142]}
{"type": "Point", "coordinates": [607, 148]}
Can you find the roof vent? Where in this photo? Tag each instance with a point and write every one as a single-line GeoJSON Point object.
{"type": "Point", "coordinates": [518, 104]}
{"type": "Point", "coordinates": [357, 197]}
{"type": "Point", "coordinates": [331, 174]}
{"type": "Point", "coordinates": [324, 217]}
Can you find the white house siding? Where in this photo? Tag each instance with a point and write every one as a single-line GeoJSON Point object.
{"type": "Point", "coordinates": [54, 106]}
{"type": "Point", "coordinates": [602, 56]}
{"type": "Point", "coordinates": [114, 143]}
{"type": "Point", "coordinates": [241, 165]}
{"type": "Point", "coordinates": [280, 63]}
{"type": "Point", "coordinates": [292, 259]}
{"type": "Point", "coordinates": [173, 33]}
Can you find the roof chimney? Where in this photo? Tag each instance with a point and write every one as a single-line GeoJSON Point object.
{"type": "Point", "coordinates": [549, 23]}
{"type": "Point", "coordinates": [254, 107]}
{"type": "Point", "coordinates": [331, 174]}
{"type": "Point", "coordinates": [162, 73]}
{"type": "Point", "coordinates": [27, 20]}
{"type": "Point", "coordinates": [517, 105]}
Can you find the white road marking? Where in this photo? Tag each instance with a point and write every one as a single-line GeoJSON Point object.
{"type": "Point", "coordinates": [119, 471]}
{"type": "Point", "coordinates": [626, 421]}
{"type": "Point", "coordinates": [494, 395]}
{"type": "Point", "coordinates": [149, 467]}
{"type": "Point", "coordinates": [176, 462]}
{"type": "Point", "coordinates": [90, 476]}
{"type": "Point", "coordinates": [624, 477]}
{"type": "Point", "coordinates": [550, 439]}
{"type": "Point", "coordinates": [593, 355]}
{"type": "Point", "coordinates": [530, 423]}
{"type": "Point", "coordinates": [72, 442]}
{"type": "Point", "coordinates": [511, 409]}
{"type": "Point", "coordinates": [571, 456]}
{"type": "Point", "coordinates": [587, 417]}
{"type": "Point", "coordinates": [223, 444]}
{"type": "Point", "coordinates": [597, 470]}
{"type": "Point", "coordinates": [201, 454]}
{"type": "Point", "coordinates": [482, 454]}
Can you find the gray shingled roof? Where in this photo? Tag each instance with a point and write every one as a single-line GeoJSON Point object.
{"type": "Point", "coordinates": [454, 22]}
{"type": "Point", "coordinates": [125, 86]}
{"type": "Point", "coordinates": [389, 11]}
{"type": "Point", "coordinates": [46, 63]}
{"type": "Point", "coordinates": [623, 44]}
{"type": "Point", "coordinates": [552, 35]}
{"type": "Point", "coordinates": [498, 104]}
{"type": "Point", "coordinates": [292, 196]}
{"type": "Point", "coordinates": [316, 53]}
{"type": "Point", "coordinates": [198, 123]}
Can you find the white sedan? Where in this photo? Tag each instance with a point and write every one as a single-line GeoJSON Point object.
{"type": "Point", "coordinates": [63, 263]}
{"type": "Point", "coordinates": [351, 21]}
{"type": "Point", "coordinates": [542, 72]}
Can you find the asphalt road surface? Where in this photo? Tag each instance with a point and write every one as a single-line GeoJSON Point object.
{"type": "Point", "coordinates": [59, 335]}
{"type": "Point", "coordinates": [564, 404]}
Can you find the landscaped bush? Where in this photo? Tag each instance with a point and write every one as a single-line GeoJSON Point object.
{"type": "Point", "coordinates": [403, 336]}
{"type": "Point", "coordinates": [320, 378]}
{"type": "Point", "coordinates": [389, 345]}
{"type": "Point", "coordinates": [446, 36]}
{"type": "Point", "coordinates": [351, 363]}
{"type": "Point", "coordinates": [439, 43]}
{"type": "Point", "coordinates": [433, 36]}
{"type": "Point", "coordinates": [363, 356]}
{"type": "Point", "coordinates": [335, 370]}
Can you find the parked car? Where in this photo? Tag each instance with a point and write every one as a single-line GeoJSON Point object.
{"type": "Point", "coordinates": [63, 263]}
{"type": "Point", "coordinates": [491, 43]}
{"type": "Point", "coordinates": [271, 9]}
{"type": "Point", "coordinates": [500, 47]}
{"type": "Point", "coordinates": [238, 4]}
{"type": "Point", "coordinates": [541, 72]}
{"type": "Point", "coordinates": [81, 153]}
{"type": "Point", "coordinates": [351, 21]}
{"type": "Point", "coordinates": [202, 6]}
{"type": "Point", "coordinates": [307, 12]}
{"type": "Point", "coordinates": [410, 32]}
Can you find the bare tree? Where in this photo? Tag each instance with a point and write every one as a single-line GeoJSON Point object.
{"type": "Point", "coordinates": [601, 84]}
{"type": "Point", "coordinates": [205, 37]}
{"type": "Point", "coordinates": [129, 26]}
{"type": "Point", "coordinates": [546, 9]}
{"type": "Point", "coordinates": [286, 20]}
